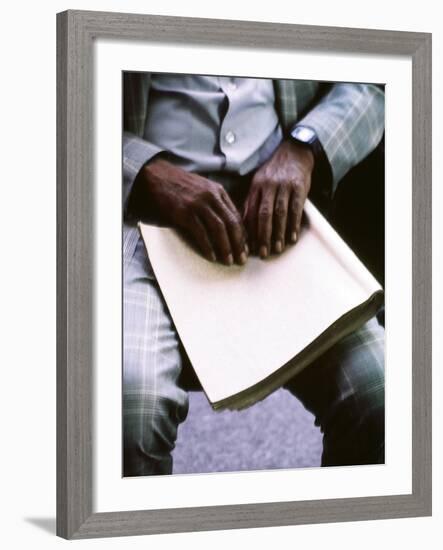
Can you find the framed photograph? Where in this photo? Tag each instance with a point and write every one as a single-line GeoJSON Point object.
{"type": "Point", "coordinates": [200, 125]}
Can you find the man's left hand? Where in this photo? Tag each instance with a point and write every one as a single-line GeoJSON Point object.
{"type": "Point", "coordinates": [274, 205]}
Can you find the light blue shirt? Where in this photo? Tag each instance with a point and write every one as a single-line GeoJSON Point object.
{"type": "Point", "coordinates": [213, 123]}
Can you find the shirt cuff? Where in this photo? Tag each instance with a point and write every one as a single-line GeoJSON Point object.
{"type": "Point", "coordinates": [136, 153]}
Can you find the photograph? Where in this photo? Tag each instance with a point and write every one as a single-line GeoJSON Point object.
{"type": "Point", "coordinates": [253, 273]}
{"type": "Point", "coordinates": [222, 302]}
{"type": "Point", "coordinates": [239, 203]}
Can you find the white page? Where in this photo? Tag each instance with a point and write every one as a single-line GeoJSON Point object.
{"type": "Point", "coordinates": [240, 323]}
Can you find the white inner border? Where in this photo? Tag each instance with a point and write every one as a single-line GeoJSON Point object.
{"type": "Point", "coordinates": [111, 491]}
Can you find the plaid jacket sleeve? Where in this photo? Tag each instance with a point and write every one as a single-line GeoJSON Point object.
{"type": "Point", "coordinates": [136, 150]}
{"type": "Point", "coordinates": [349, 122]}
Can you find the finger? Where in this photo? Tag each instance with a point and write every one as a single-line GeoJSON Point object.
{"type": "Point", "coordinates": [251, 218]}
{"type": "Point", "coordinates": [200, 237]}
{"type": "Point", "coordinates": [295, 211]}
{"type": "Point", "coordinates": [301, 200]}
{"type": "Point", "coordinates": [301, 204]}
{"type": "Point", "coordinates": [228, 201]}
{"type": "Point", "coordinates": [264, 228]}
{"type": "Point", "coordinates": [280, 218]}
{"type": "Point", "coordinates": [218, 234]}
{"type": "Point", "coordinates": [236, 231]}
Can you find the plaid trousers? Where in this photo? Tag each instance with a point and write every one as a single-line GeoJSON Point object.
{"type": "Point", "coordinates": [344, 389]}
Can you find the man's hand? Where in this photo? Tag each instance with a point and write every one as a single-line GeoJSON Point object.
{"type": "Point", "coordinates": [196, 206]}
{"type": "Point", "coordinates": [274, 205]}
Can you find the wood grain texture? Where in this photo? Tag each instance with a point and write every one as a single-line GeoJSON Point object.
{"type": "Point", "coordinates": [76, 31]}
{"type": "Point", "coordinates": [74, 291]}
{"type": "Point", "coordinates": [422, 272]}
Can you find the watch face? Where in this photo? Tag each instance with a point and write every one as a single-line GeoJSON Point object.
{"type": "Point", "coordinates": [304, 134]}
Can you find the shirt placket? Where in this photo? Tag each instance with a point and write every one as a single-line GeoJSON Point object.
{"type": "Point", "coordinates": [228, 137]}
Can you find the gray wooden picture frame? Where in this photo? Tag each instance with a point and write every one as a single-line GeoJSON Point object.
{"type": "Point", "coordinates": [76, 32]}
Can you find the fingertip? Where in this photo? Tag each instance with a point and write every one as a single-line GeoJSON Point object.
{"type": "Point", "coordinates": [212, 257]}
{"type": "Point", "coordinates": [263, 252]}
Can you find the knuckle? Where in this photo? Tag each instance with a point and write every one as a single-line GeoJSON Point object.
{"type": "Point", "coordinates": [233, 221]}
{"type": "Point", "coordinates": [273, 184]}
{"type": "Point", "coordinates": [216, 191]}
{"type": "Point", "coordinates": [238, 234]}
{"type": "Point", "coordinates": [264, 217]}
{"type": "Point", "coordinates": [233, 232]}
{"type": "Point", "coordinates": [218, 224]}
{"type": "Point", "coordinates": [258, 180]}
{"type": "Point", "coordinates": [297, 183]}
{"type": "Point", "coordinates": [280, 210]}
{"type": "Point", "coordinates": [265, 212]}
{"type": "Point", "coordinates": [280, 182]}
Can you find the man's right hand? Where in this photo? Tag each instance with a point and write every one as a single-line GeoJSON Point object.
{"type": "Point", "coordinates": [196, 206]}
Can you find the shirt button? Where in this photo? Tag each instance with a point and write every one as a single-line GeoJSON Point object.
{"type": "Point", "coordinates": [230, 137]}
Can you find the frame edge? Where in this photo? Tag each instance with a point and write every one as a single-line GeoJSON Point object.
{"type": "Point", "coordinates": [75, 32]}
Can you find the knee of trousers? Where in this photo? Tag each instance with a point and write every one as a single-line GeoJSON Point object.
{"type": "Point", "coordinates": [354, 423]}
{"type": "Point", "coordinates": [150, 424]}
{"type": "Point", "coordinates": [354, 429]}
{"type": "Point", "coordinates": [345, 391]}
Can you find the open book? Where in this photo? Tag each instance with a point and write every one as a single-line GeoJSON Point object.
{"type": "Point", "coordinates": [248, 329]}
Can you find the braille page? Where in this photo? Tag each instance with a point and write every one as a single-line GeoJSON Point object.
{"type": "Point", "coordinates": [239, 324]}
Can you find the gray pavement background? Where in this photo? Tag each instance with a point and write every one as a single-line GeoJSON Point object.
{"type": "Point", "coordinates": [275, 433]}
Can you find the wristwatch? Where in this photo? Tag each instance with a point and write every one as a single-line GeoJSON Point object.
{"type": "Point", "coordinates": [307, 136]}
{"type": "Point", "coordinates": [322, 175]}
